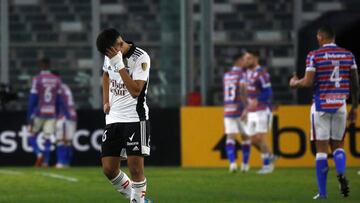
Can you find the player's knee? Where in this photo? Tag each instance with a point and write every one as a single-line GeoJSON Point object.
{"type": "Point", "coordinates": [137, 173]}
{"type": "Point", "coordinates": [110, 172]}
{"type": "Point", "coordinates": [230, 136]}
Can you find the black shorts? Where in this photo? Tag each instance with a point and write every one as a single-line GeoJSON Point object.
{"type": "Point", "coordinates": [124, 139]}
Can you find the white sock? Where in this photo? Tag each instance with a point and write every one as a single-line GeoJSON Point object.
{"type": "Point", "coordinates": [138, 192]}
{"type": "Point", "coordinates": [122, 184]}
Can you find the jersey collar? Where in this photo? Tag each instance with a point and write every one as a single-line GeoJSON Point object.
{"type": "Point", "coordinates": [131, 50]}
{"type": "Point", "coordinates": [329, 45]}
{"type": "Point", "coordinates": [255, 69]}
{"type": "Point", "coordinates": [45, 72]}
{"type": "Point", "coordinates": [236, 68]}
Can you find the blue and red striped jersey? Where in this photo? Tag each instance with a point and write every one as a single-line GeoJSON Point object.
{"type": "Point", "coordinates": [47, 87]}
{"type": "Point", "coordinates": [232, 101]}
{"type": "Point", "coordinates": [259, 87]}
{"type": "Point", "coordinates": [332, 65]}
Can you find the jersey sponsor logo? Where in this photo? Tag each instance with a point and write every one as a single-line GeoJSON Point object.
{"type": "Point", "coordinates": [118, 89]}
{"type": "Point", "coordinates": [334, 101]}
{"type": "Point", "coordinates": [131, 143]}
{"type": "Point", "coordinates": [49, 80]}
{"type": "Point", "coordinates": [327, 56]}
{"type": "Point", "coordinates": [47, 110]}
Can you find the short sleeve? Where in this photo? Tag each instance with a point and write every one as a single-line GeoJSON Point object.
{"type": "Point", "coordinates": [265, 80]}
{"type": "Point", "coordinates": [106, 64]}
{"type": "Point", "coordinates": [310, 62]}
{"type": "Point", "coordinates": [353, 63]}
{"type": "Point", "coordinates": [33, 89]}
{"type": "Point", "coordinates": [142, 68]}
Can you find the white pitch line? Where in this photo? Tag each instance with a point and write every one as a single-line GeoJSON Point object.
{"type": "Point", "coordinates": [9, 172]}
{"type": "Point", "coordinates": [58, 176]}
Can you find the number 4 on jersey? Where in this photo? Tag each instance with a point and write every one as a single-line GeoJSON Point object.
{"type": "Point", "coordinates": [335, 76]}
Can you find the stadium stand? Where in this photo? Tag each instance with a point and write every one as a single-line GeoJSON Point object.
{"type": "Point", "coordinates": [59, 29]}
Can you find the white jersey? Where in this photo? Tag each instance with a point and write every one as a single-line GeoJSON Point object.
{"type": "Point", "coordinates": [123, 107]}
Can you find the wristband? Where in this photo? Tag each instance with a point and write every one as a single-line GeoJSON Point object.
{"type": "Point", "coordinates": [117, 62]}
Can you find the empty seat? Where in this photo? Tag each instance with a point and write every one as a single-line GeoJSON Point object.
{"type": "Point", "coordinates": [64, 17]}
{"type": "Point", "coordinates": [26, 53]}
{"type": "Point", "coordinates": [59, 9]}
{"type": "Point", "coordinates": [17, 27]}
{"type": "Point", "coordinates": [20, 37]}
{"type": "Point", "coordinates": [47, 37]}
{"type": "Point", "coordinates": [77, 37]}
{"type": "Point", "coordinates": [246, 8]}
{"type": "Point", "coordinates": [233, 25]}
{"type": "Point", "coordinates": [141, 8]}
{"type": "Point", "coordinates": [29, 9]}
{"type": "Point", "coordinates": [42, 27]}
{"type": "Point", "coordinates": [57, 2]}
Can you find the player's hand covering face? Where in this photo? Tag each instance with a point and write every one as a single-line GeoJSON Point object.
{"type": "Point", "coordinates": [111, 52]}
{"type": "Point", "coordinates": [119, 46]}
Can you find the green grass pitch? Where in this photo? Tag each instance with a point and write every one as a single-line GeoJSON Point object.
{"type": "Point", "coordinates": [169, 185]}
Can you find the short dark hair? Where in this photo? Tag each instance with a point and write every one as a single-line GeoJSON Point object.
{"type": "Point", "coordinates": [238, 56]}
{"type": "Point", "coordinates": [45, 61]}
{"type": "Point", "coordinates": [328, 31]}
{"type": "Point", "coordinates": [106, 39]}
{"type": "Point", "coordinates": [254, 52]}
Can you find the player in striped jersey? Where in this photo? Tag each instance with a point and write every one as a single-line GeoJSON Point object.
{"type": "Point", "coordinates": [332, 72]}
{"type": "Point", "coordinates": [65, 127]}
{"type": "Point", "coordinates": [259, 115]}
{"type": "Point", "coordinates": [234, 119]}
{"type": "Point", "coordinates": [44, 103]}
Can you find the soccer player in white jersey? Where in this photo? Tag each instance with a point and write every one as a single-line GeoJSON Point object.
{"type": "Point", "coordinates": [126, 134]}
{"type": "Point", "coordinates": [332, 72]}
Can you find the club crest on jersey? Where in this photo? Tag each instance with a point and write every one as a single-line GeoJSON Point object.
{"type": "Point", "coordinates": [144, 66]}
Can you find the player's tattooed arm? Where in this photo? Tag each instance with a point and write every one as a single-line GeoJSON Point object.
{"type": "Point", "coordinates": [306, 81]}
{"type": "Point", "coordinates": [243, 94]}
{"type": "Point", "coordinates": [105, 84]}
{"type": "Point", "coordinates": [243, 99]}
{"type": "Point", "coordinates": [133, 86]}
{"type": "Point", "coordinates": [354, 88]}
